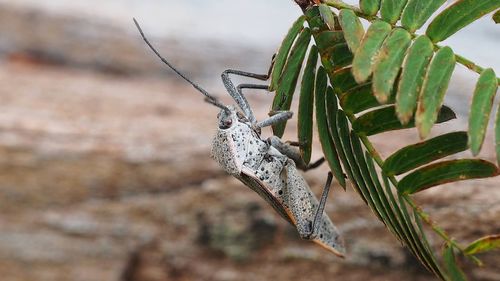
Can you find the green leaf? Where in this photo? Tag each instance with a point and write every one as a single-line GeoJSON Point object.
{"type": "Point", "coordinates": [369, 47]}
{"type": "Point", "coordinates": [444, 172]}
{"type": "Point", "coordinates": [482, 102]}
{"type": "Point", "coordinates": [284, 93]}
{"type": "Point", "coordinates": [432, 94]}
{"type": "Point", "coordinates": [412, 238]}
{"type": "Point", "coordinates": [496, 17]}
{"type": "Point", "coordinates": [281, 56]}
{"type": "Point", "coordinates": [345, 145]}
{"type": "Point", "coordinates": [497, 134]}
{"type": "Point", "coordinates": [342, 81]}
{"type": "Point", "coordinates": [360, 98]}
{"type": "Point", "coordinates": [426, 244]}
{"type": "Point", "coordinates": [458, 15]}
{"type": "Point", "coordinates": [352, 27]}
{"type": "Point", "coordinates": [483, 244]}
{"type": "Point", "coordinates": [417, 12]}
{"type": "Point", "coordinates": [384, 119]}
{"type": "Point", "coordinates": [332, 112]}
{"type": "Point", "coordinates": [367, 186]}
{"type": "Point", "coordinates": [315, 21]}
{"type": "Point", "coordinates": [454, 271]}
{"type": "Point", "coordinates": [388, 63]}
{"type": "Point", "coordinates": [412, 77]}
{"type": "Point", "coordinates": [390, 10]}
{"type": "Point", "coordinates": [327, 39]}
{"type": "Point", "coordinates": [425, 256]}
{"type": "Point", "coordinates": [325, 138]}
{"type": "Point", "coordinates": [327, 16]}
{"type": "Point", "coordinates": [392, 221]}
{"type": "Point", "coordinates": [306, 104]}
{"type": "Point", "coordinates": [339, 56]}
{"type": "Point", "coordinates": [369, 7]}
{"type": "Point", "coordinates": [416, 155]}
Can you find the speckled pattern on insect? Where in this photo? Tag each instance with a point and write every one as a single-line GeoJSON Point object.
{"type": "Point", "coordinates": [269, 167]}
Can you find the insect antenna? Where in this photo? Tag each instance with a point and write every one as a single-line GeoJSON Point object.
{"type": "Point", "coordinates": [209, 98]}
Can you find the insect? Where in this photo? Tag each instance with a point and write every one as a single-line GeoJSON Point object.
{"type": "Point", "coordinates": [269, 167]}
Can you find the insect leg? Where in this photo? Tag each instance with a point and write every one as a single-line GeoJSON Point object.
{"type": "Point", "coordinates": [295, 143]}
{"type": "Point", "coordinates": [321, 206]}
{"type": "Point", "coordinates": [280, 116]}
{"type": "Point", "coordinates": [310, 219]}
{"type": "Point", "coordinates": [251, 86]}
{"type": "Point", "coordinates": [293, 153]}
{"type": "Point", "coordinates": [236, 94]}
{"type": "Point", "coordinates": [240, 87]}
{"type": "Point", "coordinates": [315, 164]}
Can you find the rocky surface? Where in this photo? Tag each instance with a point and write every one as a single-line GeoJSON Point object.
{"type": "Point", "coordinates": [106, 175]}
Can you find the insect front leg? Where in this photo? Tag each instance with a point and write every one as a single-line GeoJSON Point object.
{"type": "Point", "coordinates": [279, 116]}
{"type": "Point", "coordinates": [235, 92]}
{"type": "Point", "coordinates": [293, 153]}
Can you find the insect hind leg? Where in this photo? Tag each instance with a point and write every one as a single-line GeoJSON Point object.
{"type": "Point", "coordinates": [321, 207]}
{"type": "Point", "coordinates": [309, 217]}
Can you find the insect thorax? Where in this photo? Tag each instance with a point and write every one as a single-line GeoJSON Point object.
{"type": "Point", "coordinates": [237, 146]}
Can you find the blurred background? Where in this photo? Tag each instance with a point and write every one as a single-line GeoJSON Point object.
{"type": "Point", "coordinates": [105, 168]}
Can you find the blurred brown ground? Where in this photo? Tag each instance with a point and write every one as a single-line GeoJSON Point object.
{"type": "Point", "coordinates": [105, 174]}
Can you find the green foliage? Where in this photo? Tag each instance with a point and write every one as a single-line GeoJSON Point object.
{"type": "Point", "coordinates": [482, 102]}
{"type": "Point", "coordinates": [455, 273]}
{"type": "Point", "coordinates": [432, 94]}
{"type": "Point", "coordinates": [412, 77]}
{"type": "Point", "coordinates": [416, 155]}
{"type": "Point", "coordinates": [445, 172]}
{"type": "Point", "coordinates": [496, 17]}
{"type": "Point", "coordinates": [388, 62]}
{"type": "Point", "coordinates": [306, 106]}
{"type": "Point", "coordinates": [384, 119]}
{"type": "Point", "coordinates": [288, 80]}
{"type": "Point", "coordinates": [417, 12]}
{"type": "Point", "coordinates": [355, 31]}
{"type": "Point", "coordinates": [390, 10]}
{"type": "Point", "coordinates": [457, 16]}
{"type": "Point", "coordinates": [364, 58]}
{"type": "Point", "coordinates": [364, 72]}
{"type": "Point", "coordinates": [325, 138]}
{"type": "Point", "coordinates": [281, 56]}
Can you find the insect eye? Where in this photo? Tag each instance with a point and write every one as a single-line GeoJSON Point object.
{"type": "Point", "coordinates": [226, 123]}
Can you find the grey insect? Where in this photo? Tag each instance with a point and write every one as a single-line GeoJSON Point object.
{"type": "Point", "coordinates": [269, 167]}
